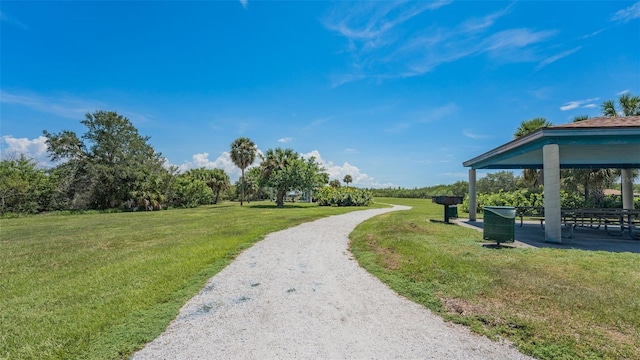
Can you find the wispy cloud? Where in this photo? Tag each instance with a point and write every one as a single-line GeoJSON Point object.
{"type": "Point", "coordinates": [317, 122]}
{"type": "Point", "coordinates": [424, 116]}
{"type": "Point", "coordinates": [63, 106]}
{"type": "Point", "coordinates": [592, 34]}
{"type": "Point", "coordinates": [622, 92]}
{"type": "Point", "coordinates": [471, 135]}
{"type": "Point", "coordinates": [383, 43]}
{"type": "Point", "coordinates": [66, 106]}
{"type": "Point", "coordinates": [244, 3]}
{"type": "Point", "coordinates": [285, 139]}
{"type": "Point", "coordinates": [350, 151]}
{"type": "Point", "coordinates": [627, 14]}
{"type": "Point", "coordinates": [557, 57]}
{"type": "Point", "coordinates": [578, 103]}
{"type": "Point", "coordinates": [12, 21]}
{"type": "Point", "coordinates": [487, 21]}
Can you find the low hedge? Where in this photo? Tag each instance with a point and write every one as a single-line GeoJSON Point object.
{"type": "Point", "coordinates": [343, 196]}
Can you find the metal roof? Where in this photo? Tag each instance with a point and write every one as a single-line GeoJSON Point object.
{"type": "Point", "coordinates": [606, 142]}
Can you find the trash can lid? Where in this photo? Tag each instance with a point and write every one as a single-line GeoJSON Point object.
{"type": "Point", "coordinates": [508, 212]}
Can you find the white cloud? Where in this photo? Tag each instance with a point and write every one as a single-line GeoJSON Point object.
{"type": "Point", "coordinates": [471, 135]}
{"type": "Point", "coordinates": [223, 161]}
{"type": "Point", "coordinates": [285, 139]}
{"type": "Point", "coordinates": [33, 149]}
{"type": "Point", "coordinates": [590, 106]}
{"type": "Point", "coordinates": [339, 171]}
{"type": "Point", "coordinates": [486, 21]}
{"type": "Point", "coordinates": [516, 38]}
{"type": "Point", "coordinates": [350, 151]}
{"type": "Point", "coordinates": [627, 14]}
{"type": "Point", "coordinates": [557, 57]}
{"type": "Point", "coordinates": [622, 92]}
{"type": "Point", "coordinates": [244, 3]}
{"type": "Point", "coordinates": [576, 104]}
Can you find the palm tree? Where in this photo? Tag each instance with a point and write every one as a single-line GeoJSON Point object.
{"type": "Point", "coordinates": [347, 179]}
{"type": "Point", "coordinates": [243, 154]}
{"type": "Point", "coordinates": [529, 126]}
{"type": "Point", "coordinates": [218, 182]}
{"type": "Point", "coordinates": [629, 106]}
{"type": "Point", "coordinates": [531, 176]}
{"type": "Point", "coordinates": [274, 164]}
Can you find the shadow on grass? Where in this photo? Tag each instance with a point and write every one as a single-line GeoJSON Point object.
{"type": "Point", "coordinates": [286, 206]}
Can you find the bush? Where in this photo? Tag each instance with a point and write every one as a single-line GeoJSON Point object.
{"type": "Point", "coordinates": [526, 197]}
{"type": "Point", "coordinates": [342, 196]}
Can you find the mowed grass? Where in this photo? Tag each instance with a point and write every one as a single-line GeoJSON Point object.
{"type": "Point", "coordinates": [552, 304]}
{"type": "Point", "coordinates": [100, 286]}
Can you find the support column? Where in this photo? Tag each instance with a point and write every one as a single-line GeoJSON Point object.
{"type": "Point", "coordinates": [552, 211]}
{"type": "Point", "coordinates": [472, 194]}
{"type": "Point", "coordinates": [627, 189]}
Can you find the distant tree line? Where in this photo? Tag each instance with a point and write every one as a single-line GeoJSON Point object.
{"type": "Point", "coordinates": [111, 166]}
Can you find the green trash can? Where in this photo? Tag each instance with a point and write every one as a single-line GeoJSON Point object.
{"type": "Point", "coordinates": [452, 211]}
{"type": "Point", "coordinates": [499, 223]}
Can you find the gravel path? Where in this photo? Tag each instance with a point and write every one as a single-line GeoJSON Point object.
{"type": "Point", "coordinates": [300, 294]}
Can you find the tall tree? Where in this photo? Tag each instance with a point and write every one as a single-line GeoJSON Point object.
{"type": "Point", "coordinates": [628, 106]}
{"type": "Point", "coordinates": [347, 179]}
{"type": "Point", "coordinates": [110, 165]}
{"type": "Point", "coordinates": [532, 177]}
{"type": "Point", "coordinates": [243, 154]}
{"type": "Point", "coordinates": [282, 171]}
{"type": "Point", "coordinates": [216, 179]}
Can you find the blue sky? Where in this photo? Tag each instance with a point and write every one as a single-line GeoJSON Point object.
{"type": "Point", "coordinates": [392, 93]}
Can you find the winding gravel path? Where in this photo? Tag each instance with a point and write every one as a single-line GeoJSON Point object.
{"type": "Point", "coordinates": [300, 294]}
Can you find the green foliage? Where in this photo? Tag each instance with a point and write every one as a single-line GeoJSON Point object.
{"type": "Point", "coordinates": [629, 106]}
{"type": "Point", "coordinates": [529, 126]}
{"type": "Point", "coordinates": [459, 188]}
{"type": "Point", "coordinates": [528, 197]}
{"type": "Point", "coordinates": [23, 187]}
{"type": "Point", "coordinates": [347, 180]}
{"type": "Point", "coordinates": [335, 183]}
{"type": "Point", "coordinates": [189, 192]}
{"type": "Point", "coordinates": [342, 196]}
{"type": "Point", "coordinates": [216, 179]}
{"type": "Point", "coordinates": [110, 166]}
{"type": "Point", "coordinates": [497, 182]}
{"type": "Point", "coordinates": [283, 170]}
{"type": "Point", "coordinates": [551, 303]}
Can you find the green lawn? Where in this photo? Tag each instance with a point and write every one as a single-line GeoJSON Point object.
{"type": "Point", "coordinates": [99, 286]}
{"type": "Point", "coordinates": [553, 304]}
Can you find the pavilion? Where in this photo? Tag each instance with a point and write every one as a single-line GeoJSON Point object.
{"type": "Point", "coordinates": [604, 142]}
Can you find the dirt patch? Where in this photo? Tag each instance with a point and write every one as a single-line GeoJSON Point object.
{"type": "Point", "coordinates": [390, 259]}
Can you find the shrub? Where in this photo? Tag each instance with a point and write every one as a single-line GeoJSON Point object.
{"type": "Point", "coordinates": [342, 196]}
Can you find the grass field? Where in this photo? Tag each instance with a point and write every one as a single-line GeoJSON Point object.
{"type": "Point", "coordinates": [552, 304]}
{"type": "Point", "coordinates": [99, 286]}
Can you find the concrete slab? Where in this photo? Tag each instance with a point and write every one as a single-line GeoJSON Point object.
{"type": "Point", "coordinates": [584, 238]}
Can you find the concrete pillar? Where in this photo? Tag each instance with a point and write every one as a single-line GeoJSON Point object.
{"type": "Point", "coordinates": [552, 211]}
{"type": "Point", "coordinates": [627, 189]}
{"type": "Point", "coordinates": [472, 194]}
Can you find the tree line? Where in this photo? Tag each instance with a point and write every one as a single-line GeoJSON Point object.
{"type": "Point", "coordinates": [111, 166]}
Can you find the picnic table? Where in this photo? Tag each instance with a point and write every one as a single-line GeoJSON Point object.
{"type": "Point", "coordinates": [615, 221]}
